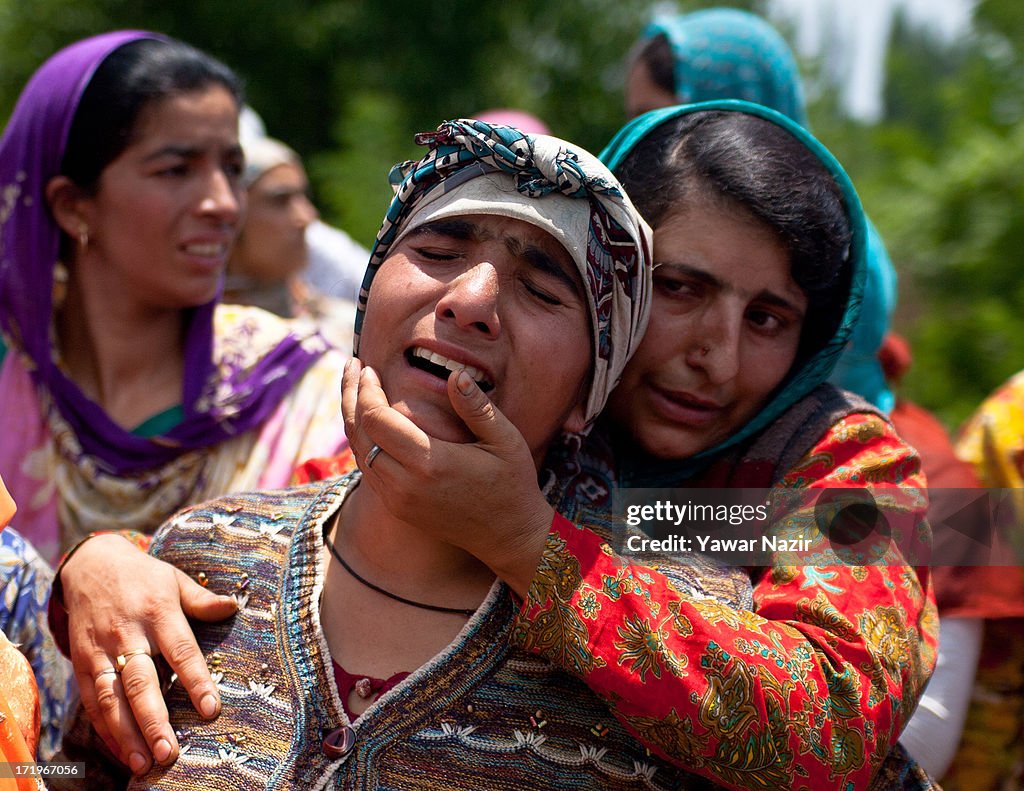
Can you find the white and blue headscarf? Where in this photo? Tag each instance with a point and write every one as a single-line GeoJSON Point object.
{"type": "Point", "coordinates": [474, 167]}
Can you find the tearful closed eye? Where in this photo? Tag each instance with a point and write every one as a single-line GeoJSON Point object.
{"type": "Point", "coordinates": [442, 367]}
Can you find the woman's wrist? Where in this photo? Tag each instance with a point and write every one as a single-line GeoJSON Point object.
{"type": "Point", "coordinates": [56, 612]}
{"type": "Point", "coordinates": [519, 565]}
{"type": "Point", "coordinates": [57, 589]}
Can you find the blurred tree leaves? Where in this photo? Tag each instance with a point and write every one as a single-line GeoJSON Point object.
{"type": "Point", "coordinates": [943, 178]}
{"type": "Point", "coordinates": [959, 241]}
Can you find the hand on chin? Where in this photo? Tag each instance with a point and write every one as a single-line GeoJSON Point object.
{"type": "Point", "coordinates": [436, 420]}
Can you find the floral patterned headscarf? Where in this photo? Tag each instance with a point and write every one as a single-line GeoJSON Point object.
{"type": "Point", "coordinates": [549, 183]}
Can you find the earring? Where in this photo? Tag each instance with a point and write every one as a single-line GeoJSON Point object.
{"type": "Point", "coordinates": [83, 236]}
{"type": "Point", "coordinates": [60, 284]}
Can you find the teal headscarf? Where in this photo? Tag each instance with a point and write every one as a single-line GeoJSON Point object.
{"type": "Point", "coordinates": [816, 369]}
{"type": "Point", "coordinates": [859, 370]}
{"type": "Point", "coordinates": [725, 53]}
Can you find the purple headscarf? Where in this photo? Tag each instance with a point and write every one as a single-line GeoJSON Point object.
{"type": "Point", "coordinates": [217, 403]}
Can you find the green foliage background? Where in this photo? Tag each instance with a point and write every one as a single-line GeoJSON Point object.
{"type": "Point", "coordinates": [348, 82]}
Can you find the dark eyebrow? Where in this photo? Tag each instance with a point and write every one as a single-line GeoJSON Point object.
{"type": "Point", "coordinates": [690, 271]}
{"type": "Point", "coordinates": [780, 302]}
{"type": "Point", "coordinates": [463, 230]}
{"type": "Point", "coordinates": [708, 279]}
{"type": "Point", "coordinates": [542, 262]}
{"type": "Point", "coordinates": [284, 192]}
{"type": "Point", "coordinates": [186, 152]}
{"type": "Point", "coordinates": [536, 257]}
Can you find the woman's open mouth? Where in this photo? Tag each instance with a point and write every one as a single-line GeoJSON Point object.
{"type": "Point", "coordinates": [442, 367]}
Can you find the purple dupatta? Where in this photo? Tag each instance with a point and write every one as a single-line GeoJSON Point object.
{"type": "Point", "coordinates": [219, 400]}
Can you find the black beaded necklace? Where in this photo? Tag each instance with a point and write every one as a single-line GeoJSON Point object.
{"type": "Point", "coordinates": [389, 594]}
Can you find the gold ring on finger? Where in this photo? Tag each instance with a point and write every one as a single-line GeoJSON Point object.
{"type": "Point", "coordinates": [122, 659]}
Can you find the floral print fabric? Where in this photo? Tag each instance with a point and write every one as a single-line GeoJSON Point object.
{"type": "Point", "coordinates": [24, 594]}
{"type": "Point", "coordinates": [991, 752]}
{"type": "Point", "coordinates": [809, 690]}
{"type": "Point", "coordinates": [65, 494]}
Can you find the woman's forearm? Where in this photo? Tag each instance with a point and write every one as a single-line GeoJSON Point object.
{"type": "Point", "coordinates": [815, 683]}
{"type": "Point", "coordinates": [933, 733]}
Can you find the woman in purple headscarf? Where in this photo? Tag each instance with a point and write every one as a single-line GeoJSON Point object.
{"type": "Point", "coordinates": [126, 391]}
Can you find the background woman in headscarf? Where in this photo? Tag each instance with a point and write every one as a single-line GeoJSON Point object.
{"type": "Point", "coordinates": [271, 249]}
{"type": "Point", "coordinates": [718, 53]}
{"type": "Point", "coordinates": [727, 53]}
{"type": "Point", "coordinates": [126, 392]}
{"type": "Point", "coordinates": [507, 263]}
{"type": "Point", "coordinates": [269, 261]}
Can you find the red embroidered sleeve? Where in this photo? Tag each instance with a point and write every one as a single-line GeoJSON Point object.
{"type": "Point", "coordinates": [808, 691]}
{"type": "Point", "coordinates": [322, 468]}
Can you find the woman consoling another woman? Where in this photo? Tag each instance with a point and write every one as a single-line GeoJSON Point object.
{"type": "Point", "coordinates": [804, 676]}
{"type": "Point", "coordinates": [759, 245]}
{"type": "Point", "coordinates": [365, 651]}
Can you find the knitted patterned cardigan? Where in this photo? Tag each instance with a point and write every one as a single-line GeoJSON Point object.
{"type": "Point", "coordinates": [480, 715]}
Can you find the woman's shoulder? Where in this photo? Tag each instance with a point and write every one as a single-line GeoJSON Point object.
{"type": "Point", "coordinates": [1004, 407]}
{"type": "Point", "coordinates": [247, 338]}
{"type": "Point", "coordinates": [859, 448]}
{"type": "Point", "coordinates": [231, 523]}
{"type": "Point", "coordinates": [996, 427]}
{"type": "Point", "coordinates": [860, 428]}
{"type": "Point", "coordinates": [244, 334]}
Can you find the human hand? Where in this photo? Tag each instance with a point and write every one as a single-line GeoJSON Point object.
{"type": "Point", "coordinates": [119, 601]}
{"type": "Point", "coordinates": [481, 496]}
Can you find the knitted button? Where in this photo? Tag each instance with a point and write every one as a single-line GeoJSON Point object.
{"type": "Point", "coordinates": [339, 742]}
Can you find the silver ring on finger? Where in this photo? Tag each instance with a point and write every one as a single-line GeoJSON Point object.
{"type": "Point", "coordinates": [373, 454]}
{"type": "Point", "coordinates": [112, 671]}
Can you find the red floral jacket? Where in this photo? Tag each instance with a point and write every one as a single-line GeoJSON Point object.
{"type": "Point", "coordinates": [808, 691]}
